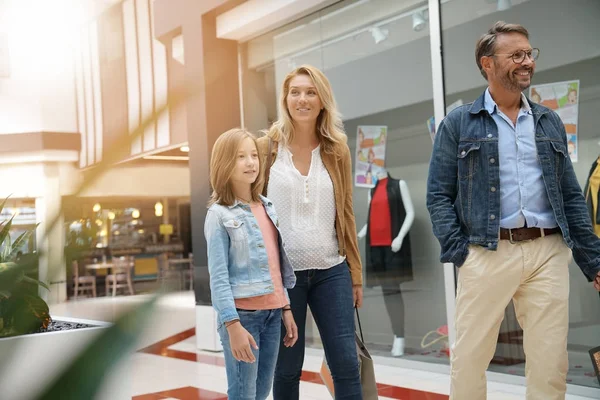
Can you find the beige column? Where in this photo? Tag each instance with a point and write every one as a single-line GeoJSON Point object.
{"type": "Point", "coordinates": [212, 105]}
{"type": "Point", "coordinates": [50, 245]}
{"type": "Point", "coordinates": [165, 217]}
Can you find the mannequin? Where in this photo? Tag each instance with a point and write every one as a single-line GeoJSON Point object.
{"type": "Point", "coordinates": [389, 260]}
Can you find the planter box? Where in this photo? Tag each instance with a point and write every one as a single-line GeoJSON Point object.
{"type": "Point", "coordinates": [207, 337]}
{"type": "Point", "coordinates": [36, 360]}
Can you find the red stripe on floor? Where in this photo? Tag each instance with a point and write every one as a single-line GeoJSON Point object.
{"type": "Point", "coordinates": [162, 349]}
{"type": "Point", "coordinates": [184, 393]}
{"type": "Point", "coordinates": [159, 347]}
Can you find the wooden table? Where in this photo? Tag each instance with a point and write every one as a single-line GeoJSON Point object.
{"type": "Point", "coordinates": [99, 266]}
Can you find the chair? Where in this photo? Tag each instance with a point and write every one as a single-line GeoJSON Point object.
{"type": "Point", "coordinates": [166, 274]}
{"type": "Point", "coordinates": [83, 284]}
{"type": "Point", "coordinates": [120, 277]}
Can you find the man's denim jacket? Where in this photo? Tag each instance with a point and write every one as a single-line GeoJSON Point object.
{"type": "Point", "coordinates": [464, 167]}
{"type": "Point", "coordinates": [237, 257]}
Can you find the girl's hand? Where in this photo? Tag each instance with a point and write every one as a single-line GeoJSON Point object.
{"type": "Point", "coordinates": [240, 341]}
{"type": "Point", "coordinates": [291, 335]}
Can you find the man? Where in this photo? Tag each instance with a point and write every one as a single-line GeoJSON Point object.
{"type": "Point", "coordinates": [507, 209]}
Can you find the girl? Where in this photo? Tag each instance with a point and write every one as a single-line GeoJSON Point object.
{"type": "Point", "coordinates": [310, 180]}
{"type": "Point", "coordinates": [249, 269]}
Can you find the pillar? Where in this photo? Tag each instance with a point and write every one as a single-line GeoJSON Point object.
{"type": "Point", "coordinates": [51, 244]}
{"type": "Point", "coordinates": [212, 102]}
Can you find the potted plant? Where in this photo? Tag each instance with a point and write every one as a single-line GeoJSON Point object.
{"type": "Point", "coordinates": [78, 359]}
{"type": "Point", "coordinates": [22, 310]}
{"type": "Point", "coordinates": [25, 322]}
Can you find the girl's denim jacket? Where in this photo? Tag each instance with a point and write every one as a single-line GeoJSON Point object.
{"type": "Point", "coordinates": [237, 257]}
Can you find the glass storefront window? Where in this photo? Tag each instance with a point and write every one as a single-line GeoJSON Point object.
{"type": "Point", "coordinates": [377, 56]}
{"type": "Point", "coordinates": [567, 34]}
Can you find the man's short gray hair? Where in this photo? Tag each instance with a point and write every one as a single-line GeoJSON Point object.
{"type": "Point", "coordinates": [486, 45]}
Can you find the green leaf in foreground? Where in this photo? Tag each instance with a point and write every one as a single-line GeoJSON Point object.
{"type": "Point", "coordinates": [31, 312]}
{"type": "Point", "coordinates": [83, 377]}
{"type": "Point", "coordinates": [35, 282]}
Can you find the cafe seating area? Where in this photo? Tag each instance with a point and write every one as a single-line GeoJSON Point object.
{"type": "Point", "coordinates": [130, 275]}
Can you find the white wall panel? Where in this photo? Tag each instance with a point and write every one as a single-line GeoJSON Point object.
{"type": "Point", "coordinates": [163, 137]}
{"type": "Point", "coordinates": [89, 96]}
{"type": "Point", "coordinates": [131, 65]}
{"type": "Point", "coordinates": [81, 111]}
{"type": "Point", "coordinates": [97, 91]}
{"type": "Point", "coordinates": [146, 74]}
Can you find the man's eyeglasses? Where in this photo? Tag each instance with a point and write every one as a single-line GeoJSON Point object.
{"type": "Point", "coordinates": [519, 56]}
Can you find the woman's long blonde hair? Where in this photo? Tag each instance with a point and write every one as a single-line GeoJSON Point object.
{"type": "Point", "coordinates": [330, 128]}
{"type": "Point", "coordinates": [222, 164]}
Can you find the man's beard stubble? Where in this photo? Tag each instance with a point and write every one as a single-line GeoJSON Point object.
{"type": "Point", "coordinates": [510, 82]}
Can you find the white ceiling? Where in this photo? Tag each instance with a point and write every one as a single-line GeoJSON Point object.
{"type": "Point", "coordinates": [340, 34]}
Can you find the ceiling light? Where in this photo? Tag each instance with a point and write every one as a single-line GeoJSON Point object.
{"type": "Point", "coordinates": [111, 215]}
{"type": "Point", "coordinates": [158, 209]}
{"type": "Point", "coordinates": [419, 20]}
{"type": "Point", "coordinates": [135, 213]}
{"type": "Point", "coordinates": [504, 5]}
{"type": "Point", "coordinates": [379, 34]}
{"type": "Point", "coordinates": [185, 149]}
{"type": "Point", "coordinates": [96, 207]}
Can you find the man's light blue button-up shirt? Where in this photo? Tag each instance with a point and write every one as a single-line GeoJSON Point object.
{"type": "Point", "coordinates": [523, 196]}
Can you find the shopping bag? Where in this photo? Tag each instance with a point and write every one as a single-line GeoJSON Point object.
{"type": "Point", "coordinates": [326, 377]}
{"type": "Point", "coordinates": [595, 356]}
{"type": "Point", "coordinates": [366, 368]}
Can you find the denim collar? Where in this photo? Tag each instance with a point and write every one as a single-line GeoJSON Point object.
{"type": "Point", "coordinates": [479, 105]}
{"type": "Point", "coordinates": [266, 202]}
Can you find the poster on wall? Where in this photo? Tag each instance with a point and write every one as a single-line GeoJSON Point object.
{"type": "Point", "coordinates": [563, 98]}
{"type": "Point", "coordinates": [370, 154]}
{"type": "Point", "coordinates": [431, 128]}
{"type": "Point", "coordinates": [431, 120]}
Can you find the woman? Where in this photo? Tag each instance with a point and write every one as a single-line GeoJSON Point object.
{"type": "Point", "coordinates": [309, 179]}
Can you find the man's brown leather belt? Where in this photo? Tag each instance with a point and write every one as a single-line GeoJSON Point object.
{"type": "Point", "coordinates": [522, 234]}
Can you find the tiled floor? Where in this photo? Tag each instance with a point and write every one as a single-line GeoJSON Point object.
{"type": "Point", "coordinates": [168, 366]}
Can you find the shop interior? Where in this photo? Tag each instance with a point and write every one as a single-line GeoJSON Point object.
{"type": "Point", "coordinates": [391, 42]}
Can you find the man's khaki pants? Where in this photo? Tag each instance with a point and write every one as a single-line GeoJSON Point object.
{"type": "Point", "coordinates": [535, 275]}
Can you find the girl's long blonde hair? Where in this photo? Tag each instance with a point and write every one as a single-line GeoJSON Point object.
{"type": "Point", "coordinates": [222, 164]}
{"type": "Point", "coordinates": [330, 128]}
